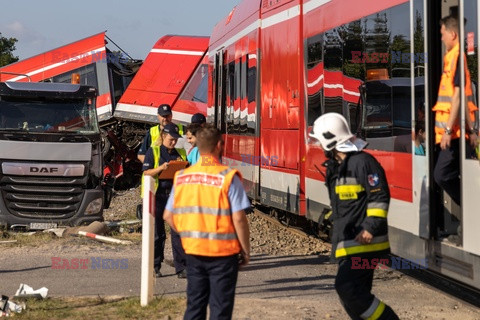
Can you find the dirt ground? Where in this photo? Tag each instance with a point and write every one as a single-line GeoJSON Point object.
{"type": "Point", "coordinates": [290, 277]}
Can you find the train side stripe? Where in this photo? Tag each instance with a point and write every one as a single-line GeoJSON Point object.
{"type": "Point", "coordinates": [80, 56]}
{"type": "Point", "coordinates": [179, 52]}
{"type": "Point", "coordinates": [252, 27]}
{"type": "Point", "coordinates": [281, 17]}
{"type": "Point", "coordinates": [146, 110]}
{"type": "Point", "coordinates": [313, 4]}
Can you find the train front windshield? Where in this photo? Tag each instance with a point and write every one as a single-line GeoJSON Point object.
{"type": "Point", "coordinates": [387, 106]}
{"type": "Point", "coordinates": [49, 116]}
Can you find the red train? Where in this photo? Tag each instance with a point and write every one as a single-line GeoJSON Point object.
{"type": "Point", "coordinates": [128, 91]}
{"type": "Point", "coordinates": [275, 66]}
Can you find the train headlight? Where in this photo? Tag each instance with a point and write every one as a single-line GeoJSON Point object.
{"type": "Point", "coordinates": [94, 207]}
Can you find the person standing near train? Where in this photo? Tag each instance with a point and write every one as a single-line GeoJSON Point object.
{"type": "Point", "coordinates": [207, 208]}
{"type": "Point", "coordinates": [359, 198]}
{"type": "Point", "coordinates": [447, 113]}
{"type": "Point", "coordinates": [156, 160]}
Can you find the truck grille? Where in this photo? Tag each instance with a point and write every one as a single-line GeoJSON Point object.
{"type": "Point", "coordinates": [37, 197]}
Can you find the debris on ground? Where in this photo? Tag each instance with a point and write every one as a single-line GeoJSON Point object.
{"type": "Point", "coordinates": [56, 231]}
{"type": "Point", "coordinates": [25, 291]}
{"type": "Point", "coordinates": [96, 227]}
{"type": "Point", "coordinates": [103, 238]}
{"type": "Point", "coordinates": [7, 307]}
{"type": "Point", "coordinates": [8, 241]}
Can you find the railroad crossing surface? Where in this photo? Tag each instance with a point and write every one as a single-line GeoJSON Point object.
{"type": "Point", "coordinates": [271, 287]}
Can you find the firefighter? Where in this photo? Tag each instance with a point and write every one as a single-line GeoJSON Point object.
{"type": "Point", "coordinates": [447, 113]}
{"type": "Point", "coordinates": [359, 198]}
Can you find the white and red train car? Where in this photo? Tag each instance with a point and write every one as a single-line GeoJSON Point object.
{"type": "Point", "coordinates": [171, 67]}
{"type": "Point", "coordinates": [275, 66]}
{"type": "Point", "coordinates": [174, 72]}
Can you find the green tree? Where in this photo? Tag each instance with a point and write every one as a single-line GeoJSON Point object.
{"type": "Point", "coordinates": [7, 46]}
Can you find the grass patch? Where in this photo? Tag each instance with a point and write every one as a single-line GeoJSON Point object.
{"type": "Point", "coordinates": [102, 308]}
{"type": "Point", "coordinates": [23, 239]}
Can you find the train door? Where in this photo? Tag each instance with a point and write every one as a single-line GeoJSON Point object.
{"type": "Point", "coordinates": [454, 224]}
{"type": "Point", "coordinates": [469, 163]}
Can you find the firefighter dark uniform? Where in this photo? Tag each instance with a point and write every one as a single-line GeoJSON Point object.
{"type": "Point", "coordinates": [447, 168]}
{"type": "Point", "coordinates": [360, 198]}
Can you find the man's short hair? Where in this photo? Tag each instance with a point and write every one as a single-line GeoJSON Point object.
{"type": "Point", "coordinates": [193, 128]}
{"type": "Point", "coordinates": [450, 22]}
{"type": "Point", "coordinates": [208, 138]}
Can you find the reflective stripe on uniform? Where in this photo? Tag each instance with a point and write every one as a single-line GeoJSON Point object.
{"type": "Point", "coordinates": [375, 212]}
{"type": "Point", "coordinates": [444, 99]}
{"type": "Point", "coordinates": [202, 210]}
{"type": "Point", "coordinates": [349, 247]}
{"type": "Point", "coordinates": [349, 188]}
{"type": "Point", "coordinates": [347, 181]}
{"type": "Point", "coordinates": [208, 235]}
{"type": "Point", "coordinates": [377, 209]}
{"type": "Point", "coordinates": [374, 311]}
{"type": "Point", "coordinates": [348, 192]}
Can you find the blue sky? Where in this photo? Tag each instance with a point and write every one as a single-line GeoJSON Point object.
{"type": "Point", "coordinates": [41, 25]}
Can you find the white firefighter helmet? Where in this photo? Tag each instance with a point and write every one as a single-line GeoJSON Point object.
{"type": "Point", "coordinates": [332, 130]}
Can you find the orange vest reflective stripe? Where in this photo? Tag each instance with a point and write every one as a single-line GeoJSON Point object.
{"type": "Point", "coordinates": [445, 94]}
{"type": "Point", "coordinates": [201, 209]}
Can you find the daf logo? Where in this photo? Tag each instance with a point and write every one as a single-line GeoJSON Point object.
{"type": "Point", "coordinates": [43, 170]}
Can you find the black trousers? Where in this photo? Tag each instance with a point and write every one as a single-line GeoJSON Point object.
{"type": "Point", "coordinates": [447, 168]}
{"type": "Point", "coordinates": [211, 281]}
{"type": "Point", "coordinates": [179, 256]}
{"type": "Point", "coordinates": [354, 287]}
{"type": "Point", "coordinates": [160, 235]}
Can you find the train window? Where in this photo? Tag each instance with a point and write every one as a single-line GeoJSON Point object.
{"type": "Point", "coordinates": [387, 111]}
{"type": "Point", "coordinates": [419, 73]}
{"type": "Point", "coordinates": [230, 96]}
{"type": "Point", "coordinates": [251, 92]}
{"type": "Point", "coordinates": [237, 101]}
{"type": "Point", "coordinates": [88, 76]}
{"type": "Point", "coordinates": [314, 50]}
{"type": "Point", "coordinates": [237, 82]}
{"type": "Point", "coordinates": [243, 78]}
{"type": "Point", "coordinates": [333, 80]}
{"type": "Point", "coordinates": [353, 72]}
{"type": "Point", "coordinates": [333, 50]}
{"type": "Point", "coordinates": [251, 83]}
{"type": "Point", "coordinates": [196, 89]}
{"type": "Point", "coordinates": [314, 69]}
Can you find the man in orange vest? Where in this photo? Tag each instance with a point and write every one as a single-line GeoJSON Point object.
{"type": "Point", "coordinates": [447, 115]}
{"type": "Point", "coordinates": [207, 208]}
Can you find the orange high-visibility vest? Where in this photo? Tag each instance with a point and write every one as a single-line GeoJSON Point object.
{"type": "Point", "coordinates": [445, 94]}
{"type": "Point", "coordinates": [201, 209]}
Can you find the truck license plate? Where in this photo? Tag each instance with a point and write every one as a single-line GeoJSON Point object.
{"type": "Point", "coordinates": [42, 225]}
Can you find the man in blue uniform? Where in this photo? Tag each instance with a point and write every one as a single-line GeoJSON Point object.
{"type": "Point", "coordinates": [359, 198]}
{"type": "Point", "coordinates": [156, 161]}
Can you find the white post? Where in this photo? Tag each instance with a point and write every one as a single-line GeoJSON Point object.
{"type": "Point", "coordinates": [148, 217]}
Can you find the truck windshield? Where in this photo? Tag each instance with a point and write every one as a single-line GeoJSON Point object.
{"type": "Point", "coordinates": [49, 116]}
